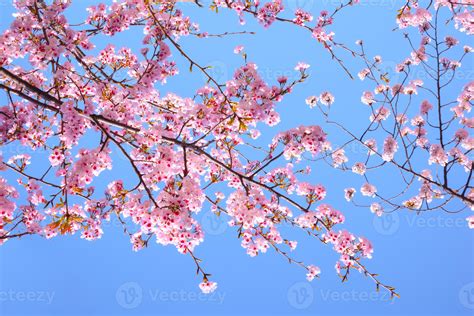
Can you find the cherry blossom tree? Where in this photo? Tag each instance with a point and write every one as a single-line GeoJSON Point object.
{"type": "Point", "coordinates": [84, 108]}
{"type": "Point", "coordinates": [416, 127]}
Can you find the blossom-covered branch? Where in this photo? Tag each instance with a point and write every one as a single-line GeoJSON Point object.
{"type": "Point", "coordinates": [83, 109]}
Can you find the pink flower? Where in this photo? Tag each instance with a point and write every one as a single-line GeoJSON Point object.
{"type": "Point", "coordinates": [376, 208]}
{"type": "Point", "coordinates": [208, 286]}
{"type": "Point", "coordinates": [464, 22]}
{"type": "Point", "coordinates": [301, 17]}
{"type": "Point", "coordinates": [380, 114]}
{"type": "Point", "coordinates": [254, 133]}
{"type": "Point", "coordinates": [363, 73]}
{"type": "Point", "coordinates": [349, 194]}
{"type": "Point", "coordinates": [390, 147]}
{"type": "Point", "coordinates": [93, 231]}
{"type": "Point", "coordinates": [359, 168]}
{"type": "Point", "coordinates": [413, 203]}
{"type": "Point", "coordinates": [407, 18]}
{"type": "Point", "coordinates": [366, 246]}
{"type": "Point", "coordinates": [20, 160]}
{"type": "Point", "coordinates": [56, 157]}
{"type": "Point", "coordinates": [371, 145]}
{"type": "Point", "coordinates": [437, 155]}
{"type": "Point", "coordinates": [367, 98]}
{"type": "Point", "coordinates": [339, 157]}
{"type": "Point", "coordinates": [137, 242]}
{"type": "Point", "coordinates": [292, 244]}
{"type": "Point", "coordinates": [312, 101]}
{"type": "Point", "coordinates": [301, 66]}
{"type": "Point", "coordinates": [7, 206]}
{"type": "Point", "coordinates": [282, 80]}
{"type": "Point", "coordinates": [301, 139]}
{"type": "Point", "coordinates": [115, 189]}
{"type": "Point", "coordinates": [238, 49]}
{"type": "Point", "coordinates": [418, 121]}
{"type": "Point", "coordinates": [326, 98]}
{"type": "Point", "coordinates": [450, 41]}
{"type": "Point", "coordinates": [313, 271]}
{"type": "Point", "coordinates": [268, 12]}
{"type": "Point", "coordinates": [321, 35]}
{"type": "Point", "coordinates": [381, 88]}
{"type": "Point", "coordinates": [461, 134]}
{"type": "Point", "coordinates": [312, 192]}
{"type": "Point", "coordinates": [368, 190]}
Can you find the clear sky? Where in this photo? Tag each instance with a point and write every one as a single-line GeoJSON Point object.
{"type": "Point", "coordinates": [428, 258]}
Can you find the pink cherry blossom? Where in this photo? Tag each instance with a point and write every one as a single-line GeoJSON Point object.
{"type": "Point", "coordinates": [339, 157]}
{"type": "Point", "coordinates": [437, 155]}
{"type": "Point", "coordinates": [380, 114]}
{"type": "Point", "coordinates": [313, 271]}
{"type": "Point", "coordinates": [301, 66]}
{"type": "Point", "coordinates": [268, 12]}
{"type": "Point", "coordinates": [376, 208]}
{"type": "Point", "coordinates": [359, 168]}
{"type": "Point", "coordinates": [390, 147]}
{"type": "Point", "coordinates": [312, 101]}
{"type": "Point", "coordinates": [349, 194]}
{"type": "Point", "coordinates": [208, 286]}
{"type": "Point", "coordinates": [301, 17]}
{"type": "Point", "coordinates": [363, 73]}
{"type": "Point", "coordinates": [368, 190]}
{"type": "Point", "coordinates": [238, 49]}
{"type": "Point", "coordinates": [367, 98]}
{"type": "Point", "coordinates": [326, 98]}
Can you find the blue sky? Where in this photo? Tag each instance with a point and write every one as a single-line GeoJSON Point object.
{"type": "Point", "coordinates": [428, 258]}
